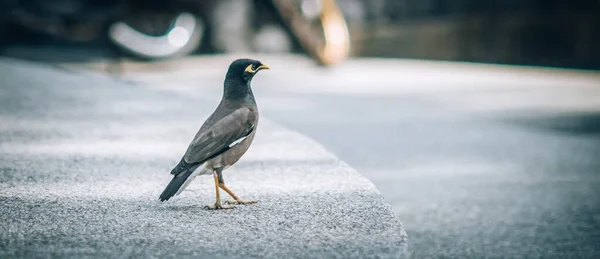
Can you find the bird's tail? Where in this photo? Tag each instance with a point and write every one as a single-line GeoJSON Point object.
{"type": "Point", "coordinates": [178, 183]}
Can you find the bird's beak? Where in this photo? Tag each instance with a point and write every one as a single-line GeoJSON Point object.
{"type": "Point", "coordinates": [263, 66]}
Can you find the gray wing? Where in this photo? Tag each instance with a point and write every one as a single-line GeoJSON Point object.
{"type": "Point", "coordinates": [220, 137]}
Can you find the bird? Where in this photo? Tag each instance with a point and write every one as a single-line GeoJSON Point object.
{"type": "Point", "coordinates": [223, 138]}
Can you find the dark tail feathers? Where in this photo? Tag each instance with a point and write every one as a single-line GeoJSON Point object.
{"type": "Point", "coordinates": [175, 184]}
{"type": "Point", "coordinates": [182, 166]}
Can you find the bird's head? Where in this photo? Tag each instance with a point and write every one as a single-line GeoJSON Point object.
{"type": "Point", "coordinates": [245, 69]}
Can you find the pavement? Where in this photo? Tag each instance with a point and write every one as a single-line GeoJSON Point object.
{"type": "Point", "coordinates": [479, 161]}
{"type": "Point", "coordinates": [83, 158]}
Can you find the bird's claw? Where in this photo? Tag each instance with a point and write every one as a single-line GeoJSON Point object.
{"type": "Point", "coordinates": [219, 206]}
{"type": "Point", "coordinates": [240, 202]}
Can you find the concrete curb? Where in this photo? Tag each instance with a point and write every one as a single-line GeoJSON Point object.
{"type": "Point", "coordinates": [83, 159]}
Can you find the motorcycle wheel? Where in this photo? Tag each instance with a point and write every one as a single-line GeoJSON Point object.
{"type": "Point", "coordinates": [180, 37]}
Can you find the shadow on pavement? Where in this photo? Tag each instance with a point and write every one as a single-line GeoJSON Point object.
{"type": "Point", "coordinates": [574, 123]}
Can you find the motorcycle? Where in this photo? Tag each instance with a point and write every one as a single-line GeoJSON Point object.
{"type": "Point", "coordinates": [154, 30]}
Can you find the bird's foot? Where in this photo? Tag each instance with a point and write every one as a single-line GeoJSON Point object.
{"type": "Point", "coordinates": [218, 206]}
{"type": "Point", "coordinates": [240, 202]}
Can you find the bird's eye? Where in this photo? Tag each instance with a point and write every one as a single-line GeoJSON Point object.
{"type": "Point", "coordinates": [250, 69]}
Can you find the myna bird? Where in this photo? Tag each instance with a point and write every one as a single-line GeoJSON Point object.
{"type": "Point", "coordinates": [224, 137]}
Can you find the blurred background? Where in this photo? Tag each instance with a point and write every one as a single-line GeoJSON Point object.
{"type": "Point", "coordinates": [528, 32]}
{"type": "Point", "coordinates": [479, 121]}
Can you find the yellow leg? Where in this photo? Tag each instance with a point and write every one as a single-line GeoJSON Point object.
{"type": "Point", "coordinates": [218, 204]}
{"type": "Point", "coordinates": [237, 200]}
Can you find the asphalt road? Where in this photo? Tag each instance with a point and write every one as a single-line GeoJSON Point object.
{"type": "Point", "coordinates": [477, 161]}
{"type": "Point", "coordinates": [484, 171]}
{"type": "Point", "coordinates": [83, 159]}
{"type": "Point", "coordinates": [485, 187]}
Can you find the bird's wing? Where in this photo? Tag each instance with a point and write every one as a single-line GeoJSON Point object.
{"type": "Point", "coordinates": [221, 136]}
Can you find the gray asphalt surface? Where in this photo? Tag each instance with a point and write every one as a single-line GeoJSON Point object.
{"type": "Point", "coordinates": [477, 161]}
{"type": "Point", "coordinates": [83, 159]}
{"type": "Point", "coordinates": [486, 187]}
{"type": "Point", "coordinates": [514, 181]}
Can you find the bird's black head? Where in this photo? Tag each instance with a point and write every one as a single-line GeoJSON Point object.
{"type": "Point", "coordinates": [244, 69]}
{"type": "Point", "coordinates": [239, 75]}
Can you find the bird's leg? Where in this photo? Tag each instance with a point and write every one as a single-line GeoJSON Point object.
{"type": "Point", "coordinates": [235, 197]}
{"type": "Point", "coordinates": [218, 204]}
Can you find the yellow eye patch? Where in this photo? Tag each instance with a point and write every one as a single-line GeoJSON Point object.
{"type": "Point", "coordinates": [250, 70]}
